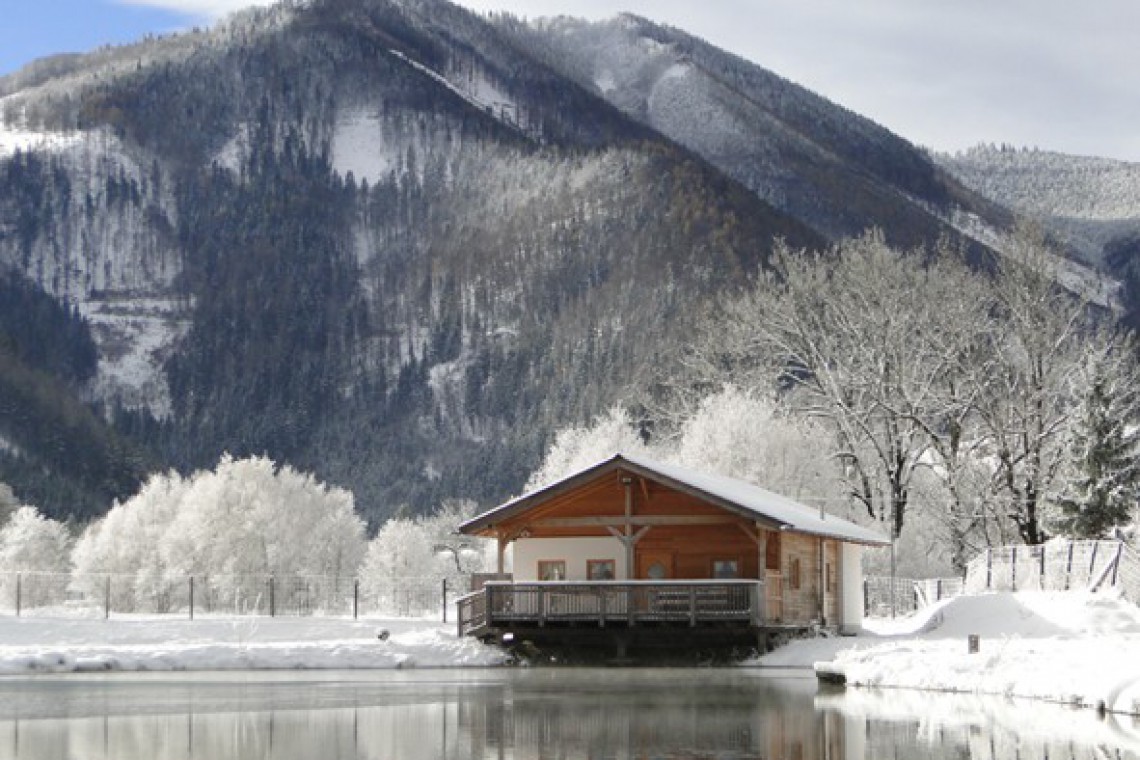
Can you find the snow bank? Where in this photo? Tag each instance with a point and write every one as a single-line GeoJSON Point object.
{"type": "Point", "coordinates": [1067, 647]}
{"type": "Point", "coordinates": [30, 645]}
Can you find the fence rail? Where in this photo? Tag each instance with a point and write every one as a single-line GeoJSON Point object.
{"type": "Point", "coordinates": [103, 595]}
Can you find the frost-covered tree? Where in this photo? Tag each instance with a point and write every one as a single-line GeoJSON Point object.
{"type": "Point", "coordinates": [1103, 448]}
{"type": "Point", "coordinates": [8, 503]}
{"type": "Point", "coordinates": [578, 447]}
{"type": "Point", "coordinates": [128, 540]}
{"type": "Point", "coordinates": [409, 555]}
{"type": "Point", "coordinates": [252, 516]}
{"type": "Point", "coordinates": [31, 542]}
{"type": "Point", "coordinates": [248, 516]}
{"type": "Point", "coordinates": [749, 436]}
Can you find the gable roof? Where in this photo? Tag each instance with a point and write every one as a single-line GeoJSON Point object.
{"type": "Point", "coordinates": [730, 494]}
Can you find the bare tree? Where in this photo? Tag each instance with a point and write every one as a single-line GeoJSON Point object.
{"type": "Point", "coordinates": [859, 338]}
{"type": "Point", "coordinates": [1026, 397]}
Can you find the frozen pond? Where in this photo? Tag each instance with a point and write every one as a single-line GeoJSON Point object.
{"type": "Point", "coordinates": [525, 713]}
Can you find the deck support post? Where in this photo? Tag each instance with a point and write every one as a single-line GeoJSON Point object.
{"type": "Point", "coordinates": [629, 568]}
{"type": "Point", "coordinates": [822, 582]}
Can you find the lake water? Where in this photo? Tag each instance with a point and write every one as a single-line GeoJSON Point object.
{"type": "Point", "coordinates": [527, 713]}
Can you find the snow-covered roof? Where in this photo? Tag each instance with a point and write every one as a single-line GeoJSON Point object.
{"type": "Point", "coordinates": [731, 494]}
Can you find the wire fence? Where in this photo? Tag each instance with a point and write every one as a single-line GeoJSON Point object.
{"type": "Point", "coordinates": [909, 594]}
{"type": "Point", "coordinates": [1055, 566]}
{"type": "Point", "coordinates": [104, 595]}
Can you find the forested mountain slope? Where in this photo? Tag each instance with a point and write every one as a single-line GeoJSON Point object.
{"type": "Point", "coordinates": [1091, 204]}
{"type": "Point", "coordinates": [371, 238]}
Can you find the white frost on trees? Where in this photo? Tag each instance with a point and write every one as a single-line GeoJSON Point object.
{"type": "Point", "coordinates": [248, 516]}
{"type": "Point", "coordinates": [579, 447]}
{"type": "Point", "coordinates": [30, 542]}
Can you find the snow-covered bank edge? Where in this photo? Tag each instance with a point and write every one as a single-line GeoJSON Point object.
{"type": "Point", "coordinates": [1068, 648]}
{"type": "Point", "coordinates": [30, 645]}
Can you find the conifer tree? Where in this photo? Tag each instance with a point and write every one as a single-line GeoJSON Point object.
{"type": "Point", "coordinates": [1102, 450]}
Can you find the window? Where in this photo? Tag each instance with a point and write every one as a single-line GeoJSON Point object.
{"type": "Point", "coordinates": [600, 569]}
{"type": "Point", "coordinates": [794, 574]}
{"type": "Point", "coordinates": [552, 569]}
{"type": "Point", "coordinates": [725, 568]}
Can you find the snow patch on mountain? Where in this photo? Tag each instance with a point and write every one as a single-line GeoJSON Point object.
{"type": "Point", "coordinates": [135, 336]}
{"type": "Point", "coordinates": [13, 139]}
{"type": "Point", "coordinates": [605, 81]}
{"type": "Point", "coordinates": [359, 146]}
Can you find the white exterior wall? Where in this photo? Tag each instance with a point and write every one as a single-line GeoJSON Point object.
{"type": "Point", "coordinates": [574, 551]}
{"type": "Point", "coordinates": [851, 587]}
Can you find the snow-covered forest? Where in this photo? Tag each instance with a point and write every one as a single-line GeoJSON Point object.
{"type": "Point", "coordinates": [959, 409]}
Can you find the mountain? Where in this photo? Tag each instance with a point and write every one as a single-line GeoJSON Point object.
{"type": "Point", "coordinates": [830, 168]}
{"type": "Point", "coordinates": [399, 244]}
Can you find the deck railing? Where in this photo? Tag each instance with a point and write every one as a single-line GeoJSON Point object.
{"type": "Point", "coordinates": [603, 603]}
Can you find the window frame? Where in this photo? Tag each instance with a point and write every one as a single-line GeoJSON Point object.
{"type": "Point", "coordinates": [794, 572]}
{"type": "Point", "coordinates": [593, 564]}
{"type": "Point", "coordinates": [545, 565]}
{"type": "Point", "coordinates": [718, 560]}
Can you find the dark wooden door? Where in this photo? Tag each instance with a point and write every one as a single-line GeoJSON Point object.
{"type": "Point", "coordinates": [654, 565]}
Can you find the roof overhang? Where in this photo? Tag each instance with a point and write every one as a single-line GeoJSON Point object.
{"type": "Point", "coordinates": [833, 528]}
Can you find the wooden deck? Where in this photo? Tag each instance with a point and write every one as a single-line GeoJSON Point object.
{"type": "Point", "coordinates": [507, 607]}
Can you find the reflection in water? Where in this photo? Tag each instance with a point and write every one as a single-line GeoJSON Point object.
{"type": "Point", "coordinates": [519, 714]}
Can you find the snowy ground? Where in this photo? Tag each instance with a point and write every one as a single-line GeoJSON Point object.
{"type": "Point", "coordinates": [42, 645]}
{"type": "Point", "coordinates": [1073, 648]}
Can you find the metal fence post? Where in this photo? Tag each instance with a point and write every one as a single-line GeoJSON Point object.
{"type": "Point", "coordinates": [1116, 562]}
{"type": "Point", "coordinates": [19, 591]}
{"type": "Point", "coordinates": [355, 598]}
{"type": "Point", "coordinates": [989, 568]}
{"type": "Point", "coordinates": [191, 597]}
{"type": "Point", "coordinates": [272, 600]}
{"type": "Point", "coordinates": [443, 585]}
{"type": "Point", "coordinates": [1069, 566]}
{"type": "Point", "coordinates": [1013, 568]}
{"type": "Point", "coordinates": [107, 598]}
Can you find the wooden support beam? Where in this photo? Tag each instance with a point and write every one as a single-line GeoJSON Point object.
{"type": "Point", "coordinates": [636, 520]}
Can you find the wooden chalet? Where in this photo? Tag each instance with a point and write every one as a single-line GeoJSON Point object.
{"type": "Point", "coordinates": [632, 551]}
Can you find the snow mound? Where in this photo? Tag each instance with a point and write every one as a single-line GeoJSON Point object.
{"type": "Point", "coordinates": [1073, 648]}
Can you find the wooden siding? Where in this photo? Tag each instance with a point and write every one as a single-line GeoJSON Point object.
{"type": "Point", "coordinates": [801, 600]}
{"type": "Point", "coordinates": [695, 548]}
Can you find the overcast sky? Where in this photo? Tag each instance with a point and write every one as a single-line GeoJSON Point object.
{"type": "Point", "coordinates": [1056, 74]}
